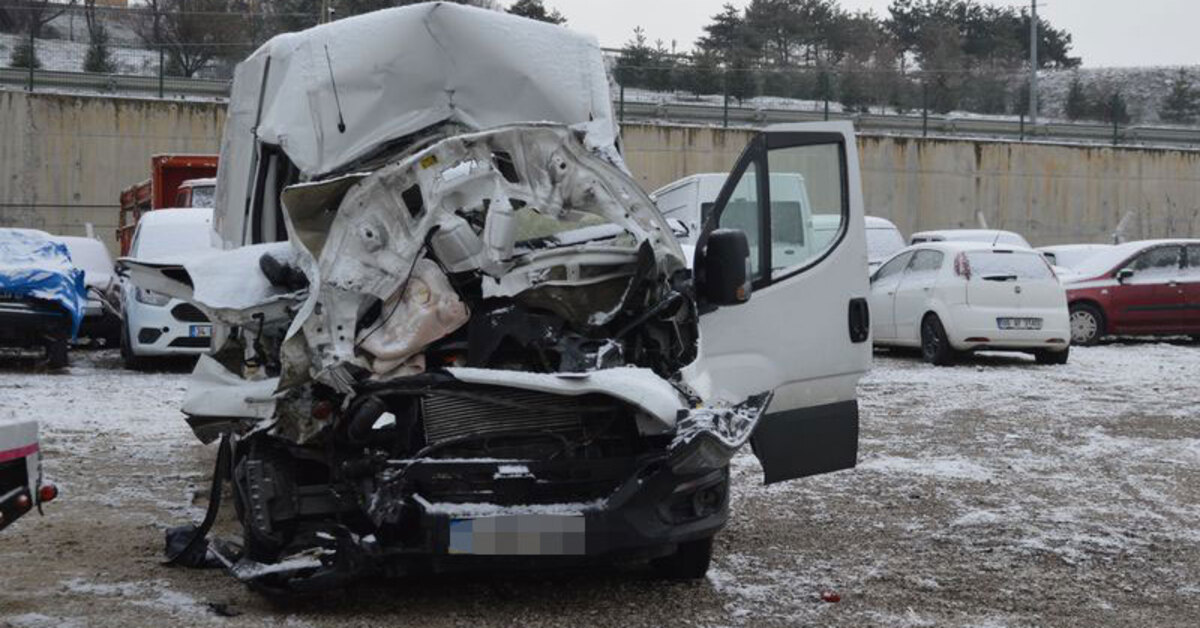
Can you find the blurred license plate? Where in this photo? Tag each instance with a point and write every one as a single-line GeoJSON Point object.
{"type": "Point", "coordinates": [201, 331]}
{"type": "Point", "coordinates": [518, 535]}
{"type": "Point", "coordinates": [1019, 323]}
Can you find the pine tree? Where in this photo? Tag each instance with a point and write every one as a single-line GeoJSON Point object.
{"type": "Point", "coordinates": [99, 57]}
{"type": "Point", "coordinates": [634, 62]}
{"type": "Point", "coordinates": [1114, 108]}
{"type": "Point", "coordinates": [1077, 106]}
{"type": "Point", "coordinates": [536, 10]}
{"type": "Point", "coordinates": [1182, 105]}
{"type": "Point", "coordinates": [24, 55]}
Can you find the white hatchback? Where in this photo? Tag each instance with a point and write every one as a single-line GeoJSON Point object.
{"type": "Point", "coordinates": [953, 297]}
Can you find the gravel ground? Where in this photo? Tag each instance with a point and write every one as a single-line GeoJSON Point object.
{"type": "Point", "coordinates": [995, 493]}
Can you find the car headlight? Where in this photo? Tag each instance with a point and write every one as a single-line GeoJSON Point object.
{"type": "Point", "coordinates": [149, 297]}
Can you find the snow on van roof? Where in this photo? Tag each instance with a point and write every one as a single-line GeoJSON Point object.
{"type": "Point", "coordinates": [402, 70]}
{"type": "Point", "coordinates": [875, 222]}
{"type": "Point", "coordinates": [981, 235]}
{"type": "Point", "coordinates": [177, 216]}
{"type": "Point", "coordinates": [955, 246]}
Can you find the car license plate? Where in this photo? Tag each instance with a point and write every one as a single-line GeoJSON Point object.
{"type": "Point", "coordinates": [518, 535]}
{"type": "Point", "coordinates": [1019, 323]}
{"type": "Point", "coordinates": [201, 331]}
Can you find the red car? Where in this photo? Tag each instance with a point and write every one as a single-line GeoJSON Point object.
{"type": "Point", "coordinates": [1150, 287]}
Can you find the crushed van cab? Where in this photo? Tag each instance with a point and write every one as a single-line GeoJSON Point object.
{"type": "Point", "coordinates": [453, 332]}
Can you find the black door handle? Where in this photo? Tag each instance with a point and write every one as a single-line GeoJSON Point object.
{"type": "Point", "coordinates": [860, 320]}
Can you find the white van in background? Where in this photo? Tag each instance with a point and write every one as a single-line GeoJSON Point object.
{"type": "Point", "coordinates": [688, 202]}
{"type": "Point", "coordinates": [993, 236]}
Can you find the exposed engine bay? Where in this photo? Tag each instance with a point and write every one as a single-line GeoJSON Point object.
{"type": "Point", "coordinates": [492, 324]}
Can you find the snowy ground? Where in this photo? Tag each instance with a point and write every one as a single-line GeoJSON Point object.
{"type": "Point", "coordinates": [996, 493]}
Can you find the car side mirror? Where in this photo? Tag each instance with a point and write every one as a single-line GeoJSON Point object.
{"type": "Point", "coordinates": [1123, 274]}
{"type": "Point", "coordinates": [727, 268]}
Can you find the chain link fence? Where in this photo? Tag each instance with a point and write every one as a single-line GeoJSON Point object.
{"type": "Point", "coordinates": [192, 54]}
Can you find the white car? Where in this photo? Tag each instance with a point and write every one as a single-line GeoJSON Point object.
{"type": "Point", "coordinates": [991, 236]}
{"type": "Point", "coordinates": [883, 241]}
{"type": "Point", "coordinates": [953, 297]}
{"type": "Point", "coordinates": [157, 325]}
{"type": "Point", "coordinates": [101, 317]}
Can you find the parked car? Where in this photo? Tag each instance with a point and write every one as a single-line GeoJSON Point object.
{"type": "Point", "coordinates": [689, 201]}
{"type": "Point", "coordinates": [157, 325]}
{"type": "Point", "coordinates": [101, 314]}
{"type": "Point", "coordinates": [42, 294]}
{"type": "Point", "coordinates": [883, 241]}
{"type": "Point", "coordinates": [953, 297]}
{"type": "Point", "coordinates": [991, 236]}
{"type": "Point", "coordinates": [1067, 258]}
{"type": "Point", "coordinates": [1151, 287]}
{"type": "Point", "coordinates": [21, 485]}
{"type": "Point", "coordinates": [482, 347]}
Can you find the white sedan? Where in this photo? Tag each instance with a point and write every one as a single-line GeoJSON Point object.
{"type": "Point", "coordinates": [948, 298]}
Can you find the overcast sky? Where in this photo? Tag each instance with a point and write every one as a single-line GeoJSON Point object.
{"type": "Point", "coordinates": [1106, 32]}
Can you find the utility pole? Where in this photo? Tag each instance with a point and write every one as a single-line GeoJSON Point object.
{"type": "Point", "coordinates": [1033, 65]}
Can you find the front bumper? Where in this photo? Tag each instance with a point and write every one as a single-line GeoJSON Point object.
{"type": "Point", "coordinates": [166, 330]}
{"type": "Point", "coordinates": [30, 324]}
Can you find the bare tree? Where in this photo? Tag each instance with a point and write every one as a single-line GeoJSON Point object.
{"type": "Point", "coordinates": [30, 16]}
{"type": "Point", "coordinates": [192, 33]}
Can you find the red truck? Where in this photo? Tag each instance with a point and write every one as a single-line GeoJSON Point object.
{"type": "Point", "coordinates": [175, 181]}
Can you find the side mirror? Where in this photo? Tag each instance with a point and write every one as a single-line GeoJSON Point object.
{"type": "Point", "coordinates": [727, 268]}
{"type": "Point", "coordinates": [1123, 274]}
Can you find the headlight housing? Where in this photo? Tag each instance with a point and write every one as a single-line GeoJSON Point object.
{"type": "Point", "coordinates": [149, 297]}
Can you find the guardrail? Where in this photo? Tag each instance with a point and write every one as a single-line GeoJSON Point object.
{"type": "Point", "coordinates": [115, 84]}
{"type": "Point", "coordinates": [1091, 133]}
{"type": "Point", "coordinates": [679, 112]}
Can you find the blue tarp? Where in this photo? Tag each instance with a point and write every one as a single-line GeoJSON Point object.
{"type": "Point", "coordinates": [32, 265]}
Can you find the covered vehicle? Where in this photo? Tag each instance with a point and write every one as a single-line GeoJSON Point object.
{"type": "Point", "coordinates": [448, 336]}
{"type": "Point", "coordinates": [42, 294]}
{"type": "Point", "coordinates": [102, 311]}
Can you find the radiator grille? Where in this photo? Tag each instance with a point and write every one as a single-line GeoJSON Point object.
{"type": "Point", "coordinates": [188, 313]}
{"type": "Point", "coordinates": [501, 411]}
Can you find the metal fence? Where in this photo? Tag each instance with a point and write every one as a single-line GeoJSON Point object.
{"type": "Point", "coordinates": [144, 52]}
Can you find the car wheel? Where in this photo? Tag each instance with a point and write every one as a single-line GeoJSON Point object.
{"type": "Point", "coordinates": [131, 361]}
{"type": "Point", "coordinates": [935, 346]}
{"type": "Point", "coordinates": [689, 562]}
{"type": "Point", "coordinates": [1052, 357]}
{"type": "Point", "coordinates": [56, 354]}
{"type": "Point", "coordinates": [1087, 324]}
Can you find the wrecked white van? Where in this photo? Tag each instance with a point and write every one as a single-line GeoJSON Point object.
{"type": "Point", "coordinates": [452, 332]}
